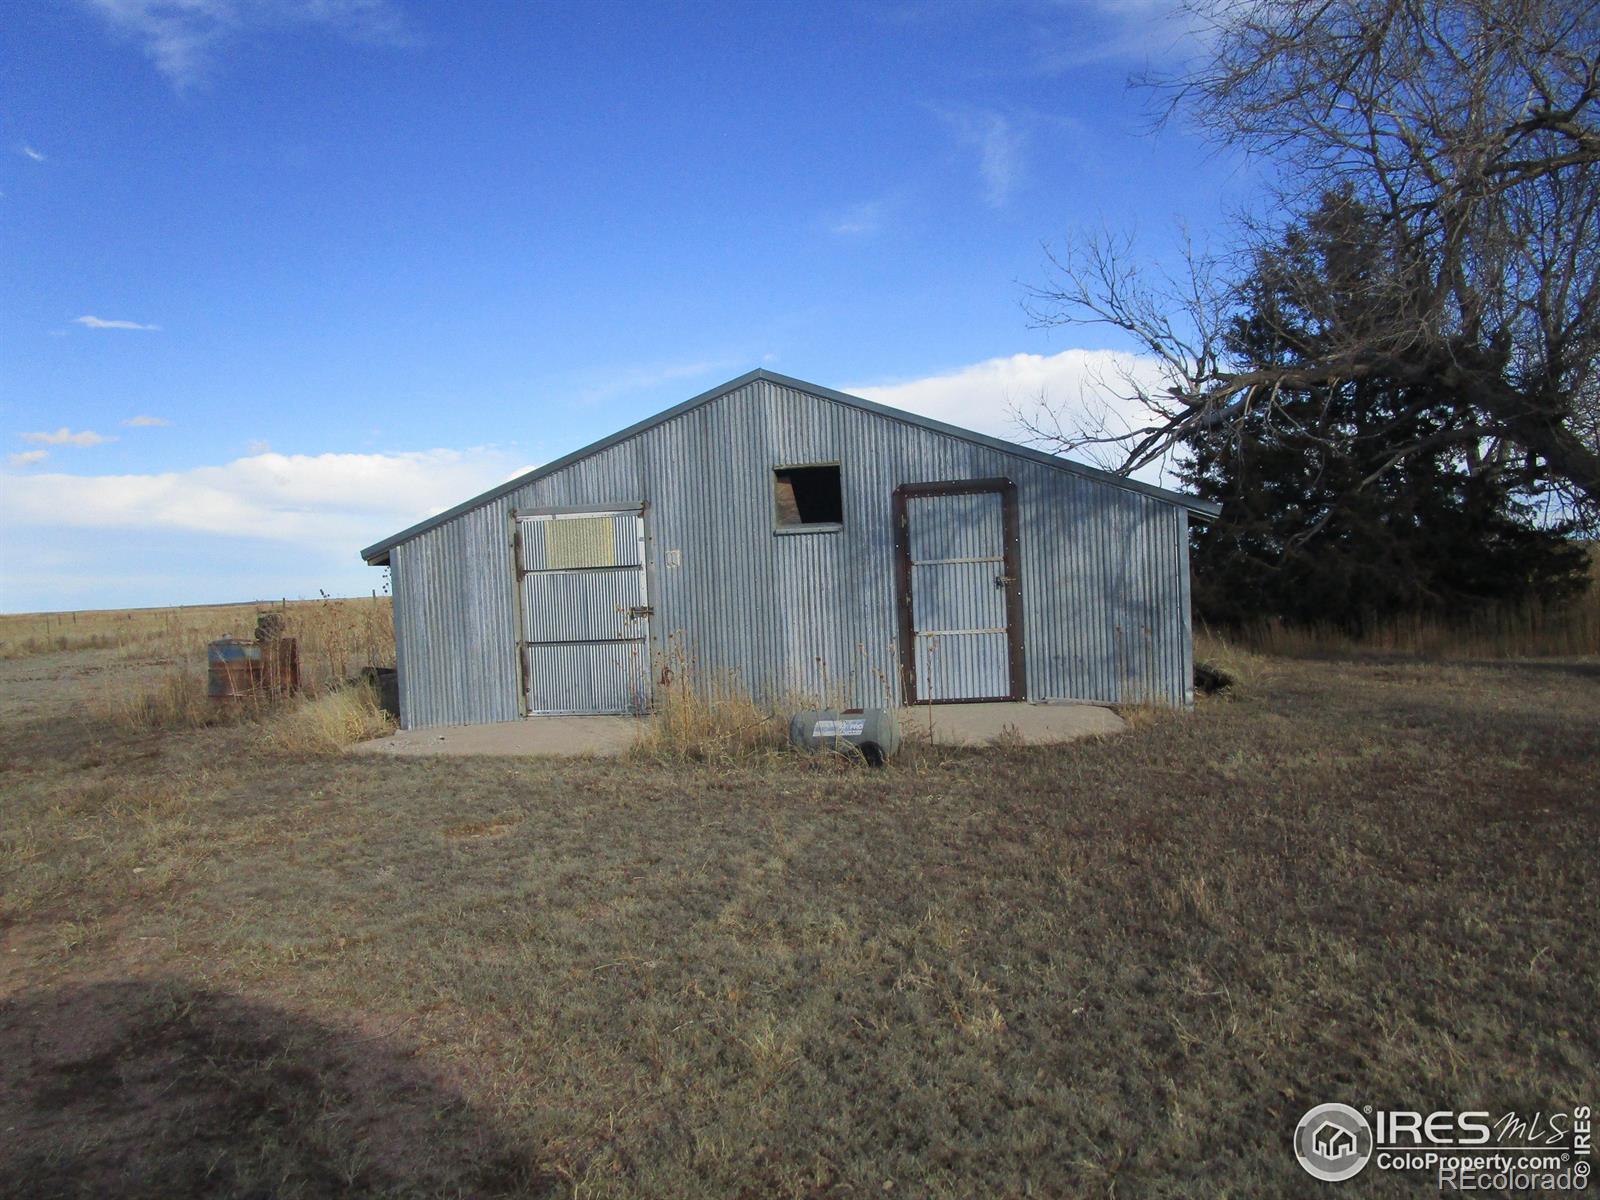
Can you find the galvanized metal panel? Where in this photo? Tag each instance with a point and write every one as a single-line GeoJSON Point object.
{"type": "Point", "coordinates": [956, 527]}
{"type": "Point", "coordinates": [953, 596]}
{"type": "Point", "coordinates": [973, 665]}
{"type": "Point", "coordinates": [588, 677]}
{"type": "Point", "coordinates": [804, 616]}
{"type": "Point", "coordinates": [454, 585]}
{"type": "Point", "coordinates": [583, 606]}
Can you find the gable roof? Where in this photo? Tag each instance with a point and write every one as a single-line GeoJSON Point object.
{"type": "Point", "coordinates": [377, 554]}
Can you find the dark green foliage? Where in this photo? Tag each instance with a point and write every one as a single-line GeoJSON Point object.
{"type": "Point", "coordinates": [1356, 502]}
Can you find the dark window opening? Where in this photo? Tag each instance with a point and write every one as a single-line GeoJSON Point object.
{"type": "Point", "coordinates": [808, 496]}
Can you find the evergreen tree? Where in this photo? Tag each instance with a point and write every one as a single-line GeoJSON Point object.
{"type": "Point", "coordinates": [1356, 501]}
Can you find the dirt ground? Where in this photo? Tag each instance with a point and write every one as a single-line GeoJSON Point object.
{"type": "Point", "coordinates": [1119, 967]}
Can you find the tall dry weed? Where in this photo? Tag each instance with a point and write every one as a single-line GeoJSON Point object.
{"type": "Point", "coordinates": [1522, 631]}
{"type": "Point", "coordinates": [328, 723]}
{"type": "Point", "coordinates": [1245, 668]}
{"type": "Point", "coordinates": [337, 638]}
{"type": "Point", "coordinates": [1529, 630]}
{"type": "Point", "coordinates": [177, 699]}
{"type": "Point", "coordinates": [706, 717]}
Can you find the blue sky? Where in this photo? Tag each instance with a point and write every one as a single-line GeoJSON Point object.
{"type": "Point", "coordinates": [278, 278]}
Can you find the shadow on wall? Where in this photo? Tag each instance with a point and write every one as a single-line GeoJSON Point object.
{"type": "Point", "coordinates": [158, 1089]}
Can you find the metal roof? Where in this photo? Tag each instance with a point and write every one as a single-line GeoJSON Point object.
{"type": "Point", "coordinates": [377, 554]}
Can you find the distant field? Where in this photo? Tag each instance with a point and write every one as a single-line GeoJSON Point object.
{"type": "Point", "coordinates": [1121, 968]}
{"type": "Point", "coordinates": [23, 635]}
{"type": "Point", "coordinates": [337, 637]}
{"type": "Point", "coordinates": [179, 630]}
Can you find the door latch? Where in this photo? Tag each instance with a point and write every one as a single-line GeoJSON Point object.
{"type": "Point", "coordinates": [640, 610]}
{"type": "Point", "coordinates": [1001, 581]}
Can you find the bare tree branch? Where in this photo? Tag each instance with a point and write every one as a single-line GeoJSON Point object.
{"type": "Point", "coordinates": [1471, 128]}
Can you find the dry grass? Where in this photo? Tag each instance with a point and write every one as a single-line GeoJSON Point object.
{"type": "Point", "coordinates": [1533, 630]}
{"type": "Point", "coordinates": [337, 636]}
{"type": "Point", "coordinates": [712, 717]}
{"type": "Point", "coordinates": [1529, 631]}
{"type": "Point", "coordinates": [1245, 667]}
{"type": "Point", "coordinates": [706, 717]}
{"type": "Point", "coordinates": [1119, 967]}
{"type": "Point", "coordinates": [165, 632]}
{"type": "Point", "coordinates": [1135, 716]}
{"type": "Point", "coordinates": [715, 721]}
{"type": "Point", "coordinates": [323, 722]}
{"type": "Point", "coordinates": [176, 699]}
{"type": "Point", "coordinates": [328, 723]}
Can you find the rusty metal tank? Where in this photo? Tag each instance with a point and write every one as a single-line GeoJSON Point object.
{"type": "Point", "coordinates": [233, 668]}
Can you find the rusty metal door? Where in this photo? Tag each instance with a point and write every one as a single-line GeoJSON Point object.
{"type": "Point", "coordinates": [960, 591]}
{"type": "Point", "coordinates": [584, 612]}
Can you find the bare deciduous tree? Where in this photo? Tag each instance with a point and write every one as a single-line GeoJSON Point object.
{"type": "Point", "coordinates": [1471, 128]}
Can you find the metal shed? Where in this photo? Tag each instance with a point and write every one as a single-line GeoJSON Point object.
{"type": "Point", "coordinates": [803, 543]}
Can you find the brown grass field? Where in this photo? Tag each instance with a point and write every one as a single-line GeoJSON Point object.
{"type": "Point", "coordinates": [234, 962]}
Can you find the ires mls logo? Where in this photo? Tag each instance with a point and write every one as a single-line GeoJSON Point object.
{"type": "Point", "coordinates": [1463, 1150]}
{"type": "Point", "coordinates": [1333, 1142]}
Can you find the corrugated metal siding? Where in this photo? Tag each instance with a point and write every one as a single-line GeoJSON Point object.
{"type": "Point", "coordinates": [588, 677]}
{"type": "Point", "coordinates": [582, 606]}
{"type": "Point", "coordinates": [1105, 570]}
{"type": "Point", "coordinates": [454, 585]}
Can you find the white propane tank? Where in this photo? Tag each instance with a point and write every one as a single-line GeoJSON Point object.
{"type": "Point", "coordinates": [874, 732]}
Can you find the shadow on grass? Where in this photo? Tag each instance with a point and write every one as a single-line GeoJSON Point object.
{"type": "Point", "coordinates": [161, 1089]}
{"type": "Point", "coordinates": [1577, 668]}
{"type": "Point", "coordinates": [1572, 666]}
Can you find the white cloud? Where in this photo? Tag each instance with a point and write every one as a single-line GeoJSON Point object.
{"type": "Point", "coordinates": [862, 220]}
{"type": "Point", "coordinates": [183, 37]}
{"type": "Point", "coordinates": [1137, 31]}
{"type": "Point", "coordinates": [66, 437]}
{"type": "Point", "coordinates": [27, 458]}
{"type": "Point", "coordinates": [999, 145]}
{"type": "Point", "coordinates": [1080, 387]}
{"type": "Point", "coordinates": [89, 322]}
{"type": "Point", "coordinates": [336, 502]}
{"type": "Point", "coordinates": [28, 151]}
{"type": "Point", "coordinates": [144, 422]}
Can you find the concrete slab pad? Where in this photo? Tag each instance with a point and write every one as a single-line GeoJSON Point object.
{"type": "Point", "coordinates": [1014, 724]}
{"type": "Point", "coordinates": [607, 737]}
{"type": "Point", "coordinates": [560, 737]}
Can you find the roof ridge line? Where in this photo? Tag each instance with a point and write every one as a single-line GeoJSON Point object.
{"type": "Point", "coordinates": [379, 549]}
